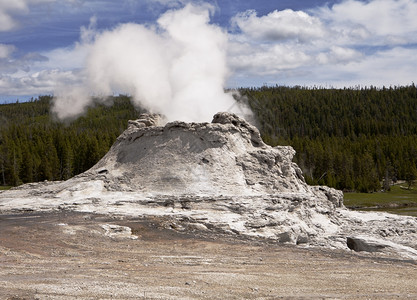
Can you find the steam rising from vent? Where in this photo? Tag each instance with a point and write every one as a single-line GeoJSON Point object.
{"type": "Point", "coordinates": [177, 68]}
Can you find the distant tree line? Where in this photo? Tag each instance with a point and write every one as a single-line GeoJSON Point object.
{"type": "Point", "coordinates": [351, 139]}
{"type": "Point", "coordinates": [36, 147]}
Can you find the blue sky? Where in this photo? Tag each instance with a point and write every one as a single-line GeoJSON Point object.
{"type": "Point", "coordinates": [52, 24]}
{"type": "Point", "coordinates": [44, 43]}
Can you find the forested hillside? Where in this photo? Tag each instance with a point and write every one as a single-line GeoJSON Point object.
{"type": "Point", "coordinates": [35, 147]}
{"type": "Point", "coordinates": [351, 139]}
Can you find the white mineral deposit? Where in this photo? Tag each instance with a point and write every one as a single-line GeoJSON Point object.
{"type": "Point", "coordinates": [219, 176]}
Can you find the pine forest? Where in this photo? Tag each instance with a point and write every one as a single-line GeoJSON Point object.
{"type": "Point", "coordinates": [353, 139]}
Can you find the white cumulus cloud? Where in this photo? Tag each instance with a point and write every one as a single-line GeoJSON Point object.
{"type": "Point", "coordinates": [377, 21]}
{"type": "Point", "coordinates": [382, 68]}
{"type": "Point", "coordinates": [37, 83]}
{"type": "Point", "coordinates": [279, 25]}
{"type": "Point", "coordinates": [339, 55]}
{"type": "Point", "coordinates": [11, 9]}
{"type": "Point", "coordinates": [289, 47]}
{"type": "Point", "coordinates": [7, 11]}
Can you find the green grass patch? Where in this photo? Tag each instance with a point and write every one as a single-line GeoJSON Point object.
{"type": "Point", "coordinates": [399, 200]}
{"type": "Point", "coordinates": [5, 187]}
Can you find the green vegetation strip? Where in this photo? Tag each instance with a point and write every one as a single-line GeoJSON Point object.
{"type": "Point", "coordinates": [400, 200]}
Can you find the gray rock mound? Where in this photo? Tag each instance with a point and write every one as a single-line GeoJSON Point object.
{"type": "Point", "coordinates": [225, 157]}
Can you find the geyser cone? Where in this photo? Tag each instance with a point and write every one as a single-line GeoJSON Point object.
{"type": "Point", "coordinates": [217, 177]}
{"type": "Point", "coordinates": [225, 157]}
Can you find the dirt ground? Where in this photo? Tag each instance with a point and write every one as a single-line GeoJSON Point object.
{"type": "Point", "coordinates": [68, 255]}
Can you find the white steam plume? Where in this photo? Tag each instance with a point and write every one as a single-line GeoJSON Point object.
{"type": "Point", "coordinates": [177, 68]}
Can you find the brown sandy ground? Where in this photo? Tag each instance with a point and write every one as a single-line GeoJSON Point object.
{"type": "Point", "coordinates": [66, 255]}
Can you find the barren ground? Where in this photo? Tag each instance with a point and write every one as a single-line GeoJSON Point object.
{"type": "Point", "coordinates": [67, 255]}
